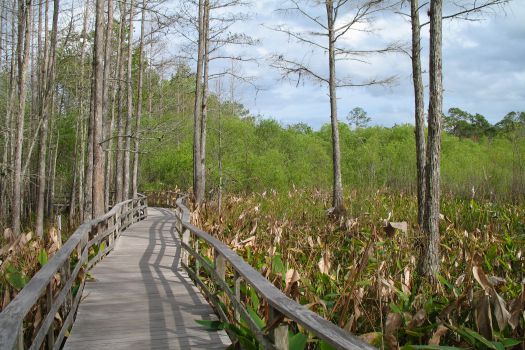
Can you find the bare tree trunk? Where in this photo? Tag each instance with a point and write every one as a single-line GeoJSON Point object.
{"type": "Point", "coordinates": [98, 109]}
{"type": "Point", "coordinates": [429, 260]}
{"type": "Point", "coordinates": [419, 101]}
{"type": "Point", "coordinates": [109, 122]}
{"type": "Point", "coordinates": [138, 115]}
{"type": "Point", "coordinates": [204, 112]}
{"type": "Point", "coordinates": [337, 196]}
{"type": "Point", "coordinates": [82, 121]}
{"type": "Point", "coordinates": [120, 68]}
{"type": "Point", "coordinates": [198, 191]}
{"type": "Point", "coordinates": [48, 89]}
{"type": "Point", "coordinates": [127, 141]}
{"type": "Point", "coordinates": [24, 25]}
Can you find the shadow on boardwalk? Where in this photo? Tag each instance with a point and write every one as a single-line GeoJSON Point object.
{"type": "Point", "coordinates": [141, 298]}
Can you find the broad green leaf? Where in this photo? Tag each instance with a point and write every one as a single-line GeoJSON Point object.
{"type": "Point", "coordinates": [277, 265]}
{"type": "Point", "coordinates": [429, 347]}
{"type": "Point", "coordinates": [259, 321]}
{"type": "Point", "coordinates": [42, 257]}
{"type": "Point", "coordinates": [211, 325]}
{"type": "Point", "coordinates": [254, 298]}
{"type": "Point", "coordinates": [509, 342]}
{"type": "Point", "coordinates": [297, 341]}
{"type": "Point", "coordinates": [16, 278]}
{"type": "Point", "coordinates": [323, 345]}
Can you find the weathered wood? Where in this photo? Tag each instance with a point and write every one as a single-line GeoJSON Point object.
{"type": "Point", "coordinates": [309, 320]}
{"type": "Point", "coordinates": [139, 296]}
{"type": "Point", "coordinates": [11, 318]}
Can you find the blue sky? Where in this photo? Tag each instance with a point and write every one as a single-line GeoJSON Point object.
{"type": "Point", "coordinates": [483, 63]}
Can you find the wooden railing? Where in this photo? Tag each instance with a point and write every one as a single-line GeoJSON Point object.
{"type": "Point", "coordinates": [67, 268]}
{"type": "Point", "coordinates": [225, 275]}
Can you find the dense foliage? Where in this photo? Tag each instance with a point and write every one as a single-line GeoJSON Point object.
{"type": "Point", "coordinates": [258, 153]}
{"type": "Point", "coordinates": [360, 272]}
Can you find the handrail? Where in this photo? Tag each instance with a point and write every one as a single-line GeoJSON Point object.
{"type": "Point", "coordinates": [279, 304]}
{"type": "Point", "coordinates": [105, 228]}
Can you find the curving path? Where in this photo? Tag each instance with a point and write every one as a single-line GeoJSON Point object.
{"type": "Point", "coordinates": [141, 299]}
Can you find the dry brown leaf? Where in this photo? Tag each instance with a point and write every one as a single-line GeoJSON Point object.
{"type": "Point", "coordinates": [418, 319]}
{"type": "Point", "coordinates": [324, 263]}
{"type": "Point", "coordinates": [516, 308]}
{"type": "Point", "coordinates": [372, 338]}
{"type": "Point", "coordinates": [500, 310]}
{"type": "Point", "coordinates": [292, 277]}
{"type": "Point", "coordinates": [481, 278]}
{"type": "Point", "coordinates": [482, 314]}
{"type": "Point", "coordinates": [436, 337]}
{"type": "Point", "coordinates": [392, 324]}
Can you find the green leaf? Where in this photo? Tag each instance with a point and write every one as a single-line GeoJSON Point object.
{"type": "Point", "coordinates": [277, 265]}
{"type": "Point", "coordinates": [297, 341]}
{"type": "Point", "coordinates": [509, 342]}
{"type": "Point", "coordinates": [42, 257]}
{"type": "Point", "coordinates": [247, 343]}
{"type": "Point", "coordinates": [102, 247]}
{"type": "Point", "coordinates": [323, 345]}
{"type": "Point", "coordinates": [16, 278]}
{"type": "Point", "coordinates": [259, 321]}
{"type": "Point", "coordinates": [211, 325]}
{"type": "Point", "coordinates": [430, 347]}
{"type": "Point", "coordinates": [254, 298]}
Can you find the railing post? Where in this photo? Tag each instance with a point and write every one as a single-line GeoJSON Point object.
{"type": "Point", "coordinates": [237, 290]}
{"type": "Point", "coordinates": [186, 240]}
{"type": "Point", "coordinates": [220, 265]}
{"type": "Point", "coordinates": [197, 262]}
{"type": "Point", "coordinates": [49, 302]}
{"type": "Point", "coordinates": [279, 334]}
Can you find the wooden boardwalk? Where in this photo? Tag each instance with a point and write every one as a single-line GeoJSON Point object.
{"type": "Point", "coordinates": [141, 299]}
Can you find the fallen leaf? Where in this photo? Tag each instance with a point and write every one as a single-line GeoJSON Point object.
{"type": "Point", "coordinates": [418, 319]}
{"type": "Point", "coordinates": [372, 338]}
{"type": "Point", "coordinates": [392, 324]}
{"type": "Point", "coordinates": [436, 337]}
{"type": "Point", "coordinates": [324, 263]}
{"type": "Point", "coordinates": [516, 308]}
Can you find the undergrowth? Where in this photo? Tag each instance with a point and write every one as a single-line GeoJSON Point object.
{"type": "Point", "coordinates": [360, 273]}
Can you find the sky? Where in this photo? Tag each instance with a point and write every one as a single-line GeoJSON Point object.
{"type": "Point", "coordinates": [483, 66]}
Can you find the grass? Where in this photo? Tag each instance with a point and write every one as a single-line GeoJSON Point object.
{"type": "Point", "coordinates": [362, 277]}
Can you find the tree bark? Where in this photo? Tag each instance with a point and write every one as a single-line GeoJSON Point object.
{"type": "Point", "coordinates": [198, 191]}
{"type": "Point", "coordinates": [98, 109]}
{"type": "Point", "coordinates": [47, 83]}
{"type": "Point", "coordinates": [419, 101]}
{"type": "Point", "coordinates": [138, 115]}
{"type": "Point", "coordinates": [120, 67]}
{"type": "Point", "coordinates": [127, 136]}
{"type": "Point", "coordinates": [429, 259]}
{"type": "Point", "coordinates": [205, 93]}
{"type": "Point", "coordinates": [337, 195]}
{"type": "Point", "coordinates": [82, 170]}
{"type": "Point", "coordinates": [109, 122]}
{"type": "Point", "coordinates": [24, 25]}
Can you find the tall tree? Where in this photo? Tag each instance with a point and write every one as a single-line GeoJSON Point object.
{"type": "Point", "coordinates": [138, 114]}
{"type": "Point", "coordinates": [329, 29]}
{"type": "Point", "coordinates": [48, 88]}
{"type": "Point", "coordinates": [419, 109]}
{"type": "Point", "coordinates": [98, 108]}
{"type": "Point", "coordinates": [22, 49]}
{"type": "Point", "coordinates": [198, 181]}
{"type": "Point", "coordinates": [129, 117]}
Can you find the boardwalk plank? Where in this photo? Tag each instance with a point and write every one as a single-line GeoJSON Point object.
{"type": "Point", "coordinates": [140, 298]}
